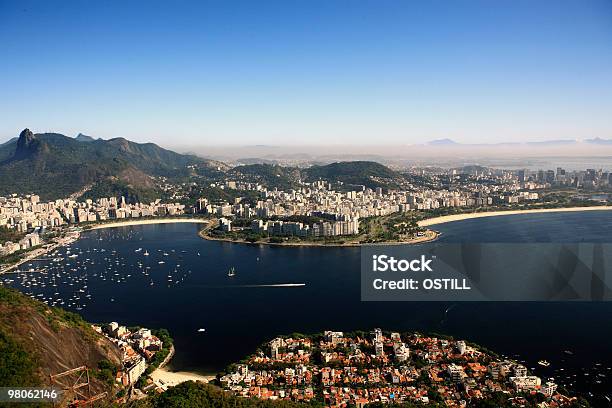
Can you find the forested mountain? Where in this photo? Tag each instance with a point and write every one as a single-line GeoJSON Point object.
{"type": "Point", "coordinates": [366, 173]}
{"type": "Point", "coordinates": [370, 174]}
{"type": "Point", "coordinates": [54, 166]}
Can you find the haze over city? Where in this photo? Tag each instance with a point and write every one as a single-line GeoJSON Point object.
{"type": "Point", "coordinates": [308, 74]}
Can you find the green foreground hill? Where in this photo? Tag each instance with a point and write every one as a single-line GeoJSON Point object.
{"type": "Point", "coordinates": [37, 341]}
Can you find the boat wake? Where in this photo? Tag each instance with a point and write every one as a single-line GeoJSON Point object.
{"type": "Point", "coordinates": [269, 285]}
{"type": "Point", "coordinates": [274, 285]}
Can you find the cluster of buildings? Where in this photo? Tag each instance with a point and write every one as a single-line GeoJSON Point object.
{"type": "Point", "coordinates": [25, 213]}
{"type": "Point", "coordinates": [28, 213]}
{"type": "Point", "coordinates": [341, 211]}
{"type": "Point", "coordinates": [345, 225]}
{"type": "Point", "coordinates": [358, 369]}
{"type": "Point", "coordinates": [136, 348]}
{"type": "Point", "coordinates": [588, 179]}
{"type": "Point", "coordinates": [319, 198]}
{"type": "Point", "coordinates": [28, 241]}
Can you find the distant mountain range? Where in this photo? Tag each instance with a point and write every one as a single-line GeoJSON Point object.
{"type": "Point", "coordinates": [54, 165]}
{"type": "Point", "coordinates": [57, 166]}
{"type": "Point", "coordinates": [560, 142]}
{"type": "Point", "coordinates": [442, 142]}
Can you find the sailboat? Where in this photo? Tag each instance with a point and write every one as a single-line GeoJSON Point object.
{"type": "Point", "coordinates": [231, 272]}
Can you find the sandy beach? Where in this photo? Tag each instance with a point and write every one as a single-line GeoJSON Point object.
{"type": "Point", "coordinates": [459, 217]}
{"type": "Point", "coordinates": [166, 378]}
{"type": "Point", "coordinates": [149, 221]}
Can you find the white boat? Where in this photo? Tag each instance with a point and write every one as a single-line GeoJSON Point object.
{"type": "Point", "coordinates": [544, 363]}
{"type": "Point", "coordinates": [232, 272]}
{"type": "Point", "coordinates": [201, 330]}
{"type": "Point", "coordinates": [146, 253]}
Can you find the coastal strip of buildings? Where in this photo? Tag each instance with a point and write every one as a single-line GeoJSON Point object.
{"type": "Point", "coordinates": [338, 212]}
{"type": "Point", "coordinates": [137, 349]}
{"type": "Point", "coordinates": [27, 214]}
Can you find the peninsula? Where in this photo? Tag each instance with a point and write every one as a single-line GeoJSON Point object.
{"type": "Point", "coordinates": [336, 204]}
{"type": "Point", "coordinates": [355, 369]}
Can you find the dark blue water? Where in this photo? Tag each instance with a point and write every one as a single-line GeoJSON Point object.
{"type": "Point", "coordinates": [588, 226]}
{"type": "Point", "coordinates": [191, 290]}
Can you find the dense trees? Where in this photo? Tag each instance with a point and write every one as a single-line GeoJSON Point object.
{"type": "Point", "coordinates": [17, 366]}
{"type": "Point", "coordinates": [7, 234]}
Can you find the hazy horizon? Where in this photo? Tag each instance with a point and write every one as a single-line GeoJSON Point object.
{"type": "Point", "coordinates": [442, 153]}
{"type": "Point", "coordinates": [308, 73]}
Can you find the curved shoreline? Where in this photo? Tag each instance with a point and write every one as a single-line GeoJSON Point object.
{"type": "Point", "coordinates": [423, 223]}
{"type": "Point", "coordinates": [164, 377]}
{"type": "Point", "coordinates": [467, 216]}
{"type": "Point", "coordinates": [42, 251]}
{"type": "Point", "coordinates": [148, 222]}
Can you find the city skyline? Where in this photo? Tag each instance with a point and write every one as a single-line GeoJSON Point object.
{"type": "Point", "coordinates": [312, 73]}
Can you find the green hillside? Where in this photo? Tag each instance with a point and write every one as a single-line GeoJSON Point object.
{"type": "Point", "coordinates": [367, 173]}
{"type": "Point", "coordinates": [54, 166]}
{"type": "Point", "coordinates": [37, 341]}
{"type": "Point", "coordinates": [271, 175]}
{"type": "Point", "coordinates": [370, 174]}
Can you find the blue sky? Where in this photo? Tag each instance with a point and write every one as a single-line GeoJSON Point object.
{"type": "Point", "coordinates": [308, 72]}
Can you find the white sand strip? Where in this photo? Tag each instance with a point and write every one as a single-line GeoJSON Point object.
{"type": "Point", "coordinates": [460, 217]}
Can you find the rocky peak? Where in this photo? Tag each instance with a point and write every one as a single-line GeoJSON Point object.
{"type": "Point", "coordinates": [25, 139]}
{"type": "Point", "coordinates": [83, 138]}
{"type": "Point", "coordinates": [27, 144]}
